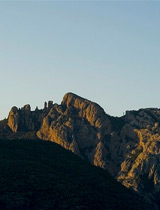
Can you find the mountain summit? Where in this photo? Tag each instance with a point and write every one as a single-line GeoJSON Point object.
{"type": "Point", "coordinates": [128, 147]}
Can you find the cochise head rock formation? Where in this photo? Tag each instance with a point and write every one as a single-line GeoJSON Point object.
{"type": "Point", "coordinates": [128, 147]}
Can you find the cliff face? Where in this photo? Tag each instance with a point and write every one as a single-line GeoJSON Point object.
{"type": "Point", "coordinates": [77, 124]}
{"type": "Point", "coordinates": [128, 147]}
{"type": "Point", "coordinates": [26, 120]}
{"type": "Point", "coordinates": [13, 119]}
{"type": "Point", "coordinates": [140, 168]}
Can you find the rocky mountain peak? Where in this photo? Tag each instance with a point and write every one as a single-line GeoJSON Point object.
{"type": "Point", "coordinates": [76, 124]}
{"type": "Point", "coordinates": [128, 147]}
{"type": "Point", "coordinates": [87, 109]}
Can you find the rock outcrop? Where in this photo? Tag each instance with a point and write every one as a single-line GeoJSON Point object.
{"type": "Point", "coordinates": [24, 119]}
{"type": "Point", "coordinates": [128, 147]}
{"type": "Point", "coordinates": [13, 119]}
{"type": "Point", "coordinates": [77, 124]}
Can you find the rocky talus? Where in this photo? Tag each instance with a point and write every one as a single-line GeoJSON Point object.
{"type": "Point", "coordinates": [128, 147]}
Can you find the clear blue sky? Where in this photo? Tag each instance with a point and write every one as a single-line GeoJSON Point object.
{"type": "Point", "coordinates": [106, 51]}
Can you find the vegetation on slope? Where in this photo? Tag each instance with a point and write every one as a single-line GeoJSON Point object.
{"type": "Point", "coordinates": [42, 175]}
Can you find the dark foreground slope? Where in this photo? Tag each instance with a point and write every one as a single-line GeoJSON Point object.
{"type": "Point", "coordinates": [37, 175]}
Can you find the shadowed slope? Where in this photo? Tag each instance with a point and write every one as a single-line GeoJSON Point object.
{"type": "Point", "coordinates": [42, 175]}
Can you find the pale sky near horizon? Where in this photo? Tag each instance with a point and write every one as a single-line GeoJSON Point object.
{"type": "Point", "coordinates": [105, 51]}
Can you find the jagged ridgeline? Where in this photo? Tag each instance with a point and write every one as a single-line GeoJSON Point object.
{"type": "Point", "coordinates": [128, 147]}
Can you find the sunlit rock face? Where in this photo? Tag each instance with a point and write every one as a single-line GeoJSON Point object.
{"type": "Point", "coordinates": [24, 119]}
{"type": "Point", "coordinates": [77, 124]}
{"type": "Point", "coordinates": [140, 168]}
{"type": "Point", "coordinates": [128, 147]}
{"type": "Point", "coordinates": [13, 119]}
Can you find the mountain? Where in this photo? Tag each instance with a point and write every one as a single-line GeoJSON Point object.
{"type": "Point", "coordinates": [128, 147]}
{"type": "Point", "coordinates": [42, 175]}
